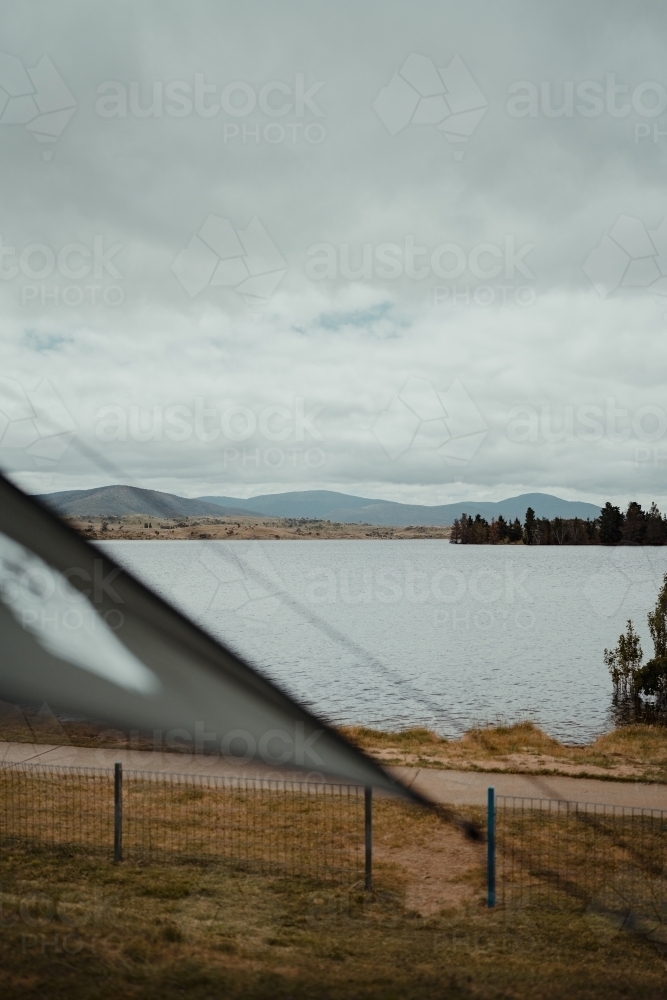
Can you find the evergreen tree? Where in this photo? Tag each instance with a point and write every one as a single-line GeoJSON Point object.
{"type": "Point", "coordinates": [634, 525]}
{"type": "Point", "coordinates": [530, 527]}
{"type": "Point", "coordinates": [611, 525]}
{"type": "Point", "coordinates": [503, 530]}
{"type": "Point", "coordinates": [515, 531]}
{"type": "Point", "coordinates": [656, 527]}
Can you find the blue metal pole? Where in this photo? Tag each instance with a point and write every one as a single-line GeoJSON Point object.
{"type": "Point", "coordinates": [491, 849]}
{"type": "Point", "coordinates": [368, 838]}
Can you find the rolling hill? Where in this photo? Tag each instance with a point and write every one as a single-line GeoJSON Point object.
{"type": "Point", "coordinates": [330, 506]}
{"type": "Point", "coordinates": [326, 505]}
{"type": "Point", "coordinates": [118, 501]}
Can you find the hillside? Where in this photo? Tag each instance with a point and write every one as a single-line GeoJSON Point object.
{"type": "Point", "coordinates": [119, 501]}
{"type": "Point", "coordinates": [326, 505]}
{"type": "Point", "coordinates": [346, 509]}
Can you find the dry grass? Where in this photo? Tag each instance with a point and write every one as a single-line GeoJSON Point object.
{"type": "Point", "coordinates": [79, 927]}
{"type": "Point", "coordinates": [595, 855]}
{"type": "Point", "coordinates": [75, 925]}
{"type": "Point", "coordinates": [132, 526]}
{"type": "Point", "coordinates": [267, 826]}
{"type": "Point", "coordinates": [637, 752]}
{"type": "Point", "coordinates": [634, 752]}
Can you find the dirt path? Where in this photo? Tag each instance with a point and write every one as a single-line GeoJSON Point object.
{"type": "Point", "coordinates": [469, 788]}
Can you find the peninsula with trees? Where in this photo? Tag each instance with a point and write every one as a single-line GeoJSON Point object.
{"type": "Point", "coordinates": [613, 527]}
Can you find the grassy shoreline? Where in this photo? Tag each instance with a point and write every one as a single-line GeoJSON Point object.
{"type": "Point", "coordinates": [629, 753]}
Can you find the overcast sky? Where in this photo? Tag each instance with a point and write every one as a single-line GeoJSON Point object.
{"type": "Point", "coordinates": [407, 250]}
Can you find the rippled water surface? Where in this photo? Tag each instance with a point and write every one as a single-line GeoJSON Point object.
{"type": "Point", "coordinates": [399, 633]}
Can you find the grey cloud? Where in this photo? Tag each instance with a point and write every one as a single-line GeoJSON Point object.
{"type": "Point", "coordinates": [499, 298]}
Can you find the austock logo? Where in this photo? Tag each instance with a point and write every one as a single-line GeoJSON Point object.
{"type": "Point", "coordinates": [419, 94]}
{"type": "Point", "coordinates": [622, 579]}
{"type": "Point", "coordinates": [419, 417]}
{"type": "Point", "coordinates": [630, 257]}
{"type": "Point", "coordinates": [218, 256]}
{"type": "Point", "coordinates": [236, 100]}
{"type": "Point", "coordinates": [34, 422]}
{"type": "Point", "coordinates": [247, 584]}
{"type": "Point", "coordinates": [69, 275]}
{"type": "Point", "coordinates": [62, 921]}
{"type": "Point", "coordinates": [37, 98]}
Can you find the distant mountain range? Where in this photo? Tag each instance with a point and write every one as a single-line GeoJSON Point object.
{"type": "Point", "coordinates": [325, 505]}
{"type": "Point", "coordinates": [329, 506]}
{"type": "Point", "coordinates": [118, 501]}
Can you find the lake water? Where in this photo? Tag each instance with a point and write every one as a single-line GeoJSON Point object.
{"type": "Point", "coordinates": [393, 634]}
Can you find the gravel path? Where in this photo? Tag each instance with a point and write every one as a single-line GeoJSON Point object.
{"type": "Point", "coordinates": [456, 788]}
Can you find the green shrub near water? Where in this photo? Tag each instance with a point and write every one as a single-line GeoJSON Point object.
{"type": "Point", "coordinates": [630, 678]}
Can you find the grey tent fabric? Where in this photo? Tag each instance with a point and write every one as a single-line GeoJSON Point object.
{"type": "Point", "coordinates": [87, 637]}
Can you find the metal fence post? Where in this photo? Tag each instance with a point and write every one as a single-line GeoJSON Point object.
{"type": "Point", "coordinates": [368, 831]}
{"type": "Point", "coordinates": [118, 813]}
{"type": "Point", "coordinates": [491, 849]}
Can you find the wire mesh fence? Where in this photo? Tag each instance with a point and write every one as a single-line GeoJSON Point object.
{"type": "Point", "coordinates": [606, 859]}
{"type": "Point", "coordinates": [267, 826]}
{"type": "Point", "coordinates": [609, 859]}
{"type": "Point", "coordinates": [57, 807]}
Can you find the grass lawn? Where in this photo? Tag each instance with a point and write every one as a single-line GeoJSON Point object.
{"type": "Point", "coordinates": [77, 926]}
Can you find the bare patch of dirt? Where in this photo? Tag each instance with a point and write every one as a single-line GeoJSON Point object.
{"type": "Point", "coordinates": [529, 763]}
{"type": "Point", "coordinates": [441, 871]}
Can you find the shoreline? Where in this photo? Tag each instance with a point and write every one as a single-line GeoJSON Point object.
{"type": "Point", "coordinates": [137, 527]}
{"type": "Point", "coordinates": [632, 753]}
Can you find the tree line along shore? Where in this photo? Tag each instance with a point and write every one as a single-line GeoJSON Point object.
{"type": "Point", "coordinates": [635, 526]}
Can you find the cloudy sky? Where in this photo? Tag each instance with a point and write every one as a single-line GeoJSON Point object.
{"type": "Point", "coordinates": [413, 251]}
